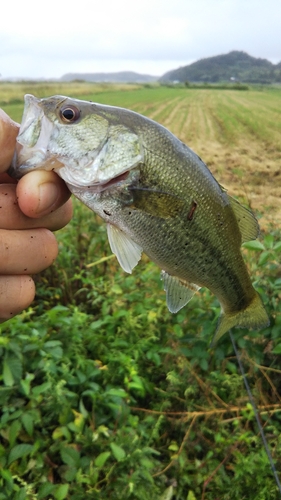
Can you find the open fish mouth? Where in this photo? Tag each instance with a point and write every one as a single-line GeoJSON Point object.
{"type": "Point", "coordinates": [32, 141]}
{"type": "Point", "coordinates": [116, 180]}
{"type": "Point", "coordinates": [56, 164]}
{"type": "Point", "coordinates": [75, 180]}
{"type": "Point", "coordinates": [111, 183]}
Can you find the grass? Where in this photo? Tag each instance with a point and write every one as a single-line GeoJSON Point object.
{"type": "Point", "coordinates": [104, 393]}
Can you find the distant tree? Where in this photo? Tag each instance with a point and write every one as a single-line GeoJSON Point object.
{"type": "Point", "coordinates": [220, 68]}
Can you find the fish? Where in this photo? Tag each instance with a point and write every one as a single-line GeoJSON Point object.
{"type": "Point", "coordinates": [155, 195]}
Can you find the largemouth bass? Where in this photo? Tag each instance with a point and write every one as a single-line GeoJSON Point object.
{"type": "Point", "coordinates": [156, 196]}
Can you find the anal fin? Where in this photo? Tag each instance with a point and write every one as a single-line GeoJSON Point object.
{"type": "Point", "coordinates": [178, 292]}
{"type": "Point", "coordinates": [126, 250]}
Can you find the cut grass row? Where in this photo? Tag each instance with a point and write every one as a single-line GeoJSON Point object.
{"type": "Point", "coordinates": [187, 112]}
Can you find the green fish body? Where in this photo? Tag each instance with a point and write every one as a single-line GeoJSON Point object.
{"type": "Point", "coordinates": [156, 196]}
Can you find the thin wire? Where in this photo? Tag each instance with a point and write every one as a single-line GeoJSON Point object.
{"type": "Point", "coordinates": [273, 468]}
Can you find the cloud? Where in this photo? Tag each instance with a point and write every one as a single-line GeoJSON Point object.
{"type": "Point", "coordinates": [110, 34]}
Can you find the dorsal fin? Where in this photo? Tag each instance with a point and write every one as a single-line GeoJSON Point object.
{"type": "Point", "coordinates": [126, 250]}
{"type": "Point", "coordinates": [248, 224]}
{"type": "Point", "coordinates": [178, 293]}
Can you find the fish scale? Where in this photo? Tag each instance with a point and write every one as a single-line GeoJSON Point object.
{"type": "Point", "coordinates": [155, 195]}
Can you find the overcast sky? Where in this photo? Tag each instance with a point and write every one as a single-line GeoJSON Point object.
{"type": "Point", "coordinates": [56, 37]}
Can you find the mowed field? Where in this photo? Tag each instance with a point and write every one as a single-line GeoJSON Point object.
{"type": "Point", "coordinates": [236, 133]}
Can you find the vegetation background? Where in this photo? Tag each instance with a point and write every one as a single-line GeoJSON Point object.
{"type": "Point", "coordinates": [104, 393]}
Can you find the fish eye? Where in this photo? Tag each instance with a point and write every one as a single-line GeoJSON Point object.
{"type": "Point", "coordinates": [69, 114]}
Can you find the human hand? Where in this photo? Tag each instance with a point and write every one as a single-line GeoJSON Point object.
{"type": "Point", "coordinates": [29, 211]}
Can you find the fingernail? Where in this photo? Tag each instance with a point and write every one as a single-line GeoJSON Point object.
{"type": "Point", "coordinates": [49, 194]}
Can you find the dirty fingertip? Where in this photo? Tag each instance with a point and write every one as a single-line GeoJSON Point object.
{"type": "Point", "coordinates": [40, 193]}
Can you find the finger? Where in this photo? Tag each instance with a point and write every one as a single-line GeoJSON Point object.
{"type": "Point", "coordinates": [41, 192]}
{"type": "Point", "coordinates": [16, 293]}
{"type": "Point", "coordinates": [11, 217]}
{"type": "Point", "coordinates": [26, 252]}
{"type": "Point", "coordinates": [8, 133]}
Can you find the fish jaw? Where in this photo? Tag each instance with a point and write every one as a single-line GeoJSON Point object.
{"type": "Point", "coordinates": [32, 140]}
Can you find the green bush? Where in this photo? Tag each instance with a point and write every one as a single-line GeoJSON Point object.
{"type": "Point", "coordinates": [105, 394]}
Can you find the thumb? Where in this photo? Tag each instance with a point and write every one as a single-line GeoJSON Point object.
{"type": "Point", "coordinates": [8, 133]}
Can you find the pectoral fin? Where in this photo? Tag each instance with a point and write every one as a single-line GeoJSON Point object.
{"type": "Point", "coordinates": [178, 293]}
{"type": "Point", "coordinates": [126, 250]}
{"type": "Point", "coordinates": [157, 203]}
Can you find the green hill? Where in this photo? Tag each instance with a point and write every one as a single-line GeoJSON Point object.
{"type": "Point", "coordinates": [234, 66]}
